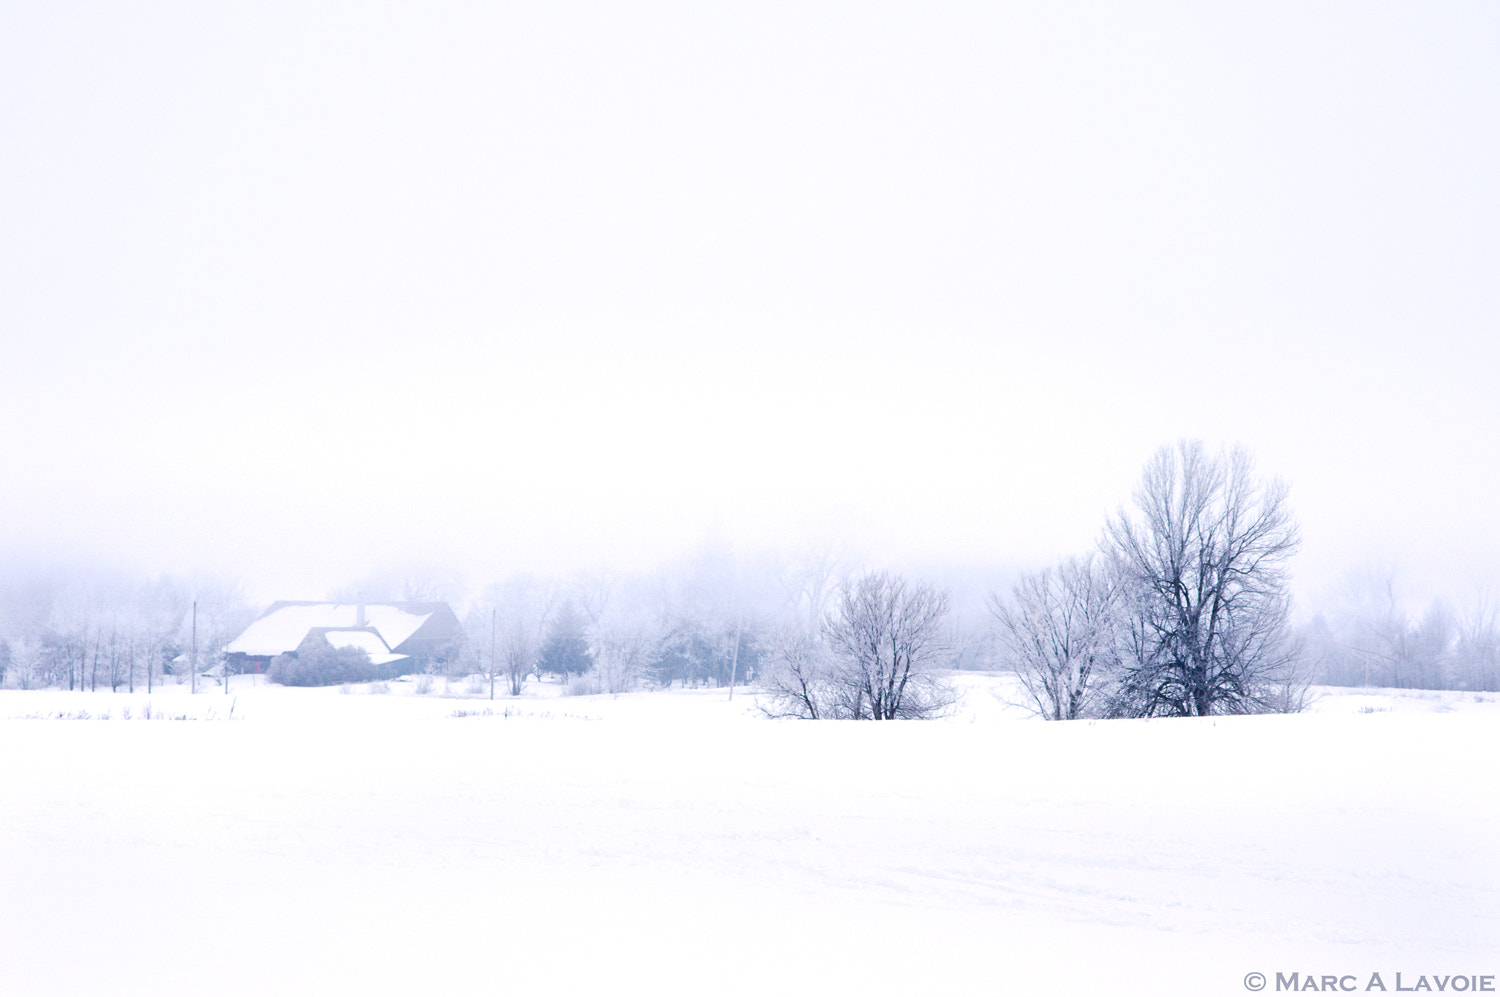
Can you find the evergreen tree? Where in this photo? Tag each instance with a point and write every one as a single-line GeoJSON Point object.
{"type": "Point", "coordinates": [566, 650]}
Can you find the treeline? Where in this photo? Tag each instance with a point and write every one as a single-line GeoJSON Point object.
{"type": "Point", "coordinates": [704, 622]}
{"type": "Point", "coordinates": [1371, 639]}
{"type": "Point", "coordinates": [92, 630]}
{"type": "Point", "coordinates": [1181, 609]}
{"type": "Point", "coordinates": [707, 621]}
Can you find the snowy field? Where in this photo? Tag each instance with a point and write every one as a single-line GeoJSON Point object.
{"type": "Point", "coordinates": [331, 842]}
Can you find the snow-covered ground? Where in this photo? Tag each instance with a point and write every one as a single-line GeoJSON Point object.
{"type": "Point", "coordinates": [327, 842]}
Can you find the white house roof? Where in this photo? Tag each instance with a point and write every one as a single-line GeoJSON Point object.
{"type": "Point", "coordinates": [283, 628]}
{"type": "Point", "coordinates": [365, 641]}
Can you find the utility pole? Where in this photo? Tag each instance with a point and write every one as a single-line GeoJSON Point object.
{"type": "Point", "coordinates": [193, 687]}
{"type": "Point", "coordinates": [492, 653]}
{"type": "Point", "coordinates": [734, 662]}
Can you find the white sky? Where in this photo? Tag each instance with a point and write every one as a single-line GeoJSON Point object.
{"type": "Point", "coordinates": [302, 290]}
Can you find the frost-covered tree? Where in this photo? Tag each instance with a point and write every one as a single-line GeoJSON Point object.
{"type": "Point", "coordinates": [623, 642]}
{"type": "Point", "coordinates": [217, 614]}
{"type": "Point", "coordinates": [159, 607]}
{"type": "Point", "coordinates": [515, 629]}
{"type": "Point", "coordinates": [25, 663]}
{"type": "Point", "coordinates": [800, 679]}
{"type": "Point", "coordinates": [1058, 633]}
{"type": "Point", "coordinates": [808, 583]}
{"type": "Point", "coordinates": [1204, 565]}
{"type": "Point", "coordinates": [1476, 653]}
{"type": "Point", "coordinates": [1367, 635]}
{"type": "Point", "coordinates": [875, 656]}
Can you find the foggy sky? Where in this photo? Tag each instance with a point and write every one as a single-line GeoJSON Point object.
{"type": "Point", "coordinates": [302, 290]}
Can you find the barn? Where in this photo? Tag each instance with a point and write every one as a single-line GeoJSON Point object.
{"type": "Point", "coordinates": [403, 637]}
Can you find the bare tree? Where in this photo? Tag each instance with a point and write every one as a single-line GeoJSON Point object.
{"type": "Point", "coordinates": [160, 606]}
{"type": "Point", "coordinates": [623, 642]}
{"type": "Point", "coordinates": [481, 650]}
{"type": "Point", "coordinates": [72, 624]}
{"type": "Point", "coordinates": [1058, 634]}
{"type": "Point", "coordinates": [219, 613]}
{"type": "Point", "coordinates": [522, 608]}
{"type": "Point", "coordinates": [1370, 637]}
{"type": "Point", "coordinates": [406, 581]}
{"type": "Point", "coordinates": [25, 669]}
{"type": "Point", "coordinates": [1207, 562]}
{"type": "Point", "coordinates": [807, 583]}
{"type": "Point", "coordinates": [77, 626]}
{"type": "Point", "coordinates": [798, 682]}
{"type": "Point", "coordinates": [1477, 650]}
{"type": "Point", "coordinates": [885, 638]}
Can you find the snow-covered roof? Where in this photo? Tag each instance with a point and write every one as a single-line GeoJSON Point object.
{"type": "Point", "coordinates": [363, 640]}
{"type": "Point", "coordinates": [283, 627]}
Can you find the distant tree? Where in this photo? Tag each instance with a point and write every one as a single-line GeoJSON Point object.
{"type": "Point", "coordinates": [718, 606]}
{"type": "Point", "coordinates": [514, 630]}
{"type": "Point", "coordinates": [87, 626]}
{"type": "Point", "coordinates": [1369, 637]}
{"type": "Point", "coordinates": [565, 650]}
{"type": "Point", "coordinates": [72, 625]}
{"type": "Point", "coordinates": [740, 651]}
{"type": "Point", "coordinates": [1204, 566]}
{"type": "Point", "coordinates": [160, 605]}
{"type": "Point", "coordinates": [117, 656]}
{"type": "Point", "coordinates": [223, 613]}
{"type": "Point", "coordinates": [1058, 634]}
{"type": "Point", "coordinates": [408, 581]}
{"type": "Point", "coordinates": [808, 583]}
{"type": "Point", "coordinates": [479, 654]}
{"type": "Point", "coordinates": [1476, 653]}
{"type": "Point", "coordinates": [25, 664]}
{"type": "Point", "coordinates": [676, 660]}
{"type": "Point", "coordinates": [623, 642]}
{"type": "Point", "coordinates": [718, 651]}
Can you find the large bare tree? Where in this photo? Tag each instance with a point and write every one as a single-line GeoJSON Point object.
{"type": "Point", "coordinates": [1206, 562]}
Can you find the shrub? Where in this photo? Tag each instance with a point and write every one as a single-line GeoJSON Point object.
{"type": "Point", "coordinates": [315, 664]}
{"type": "Point", "coordinates": [583, 685]}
